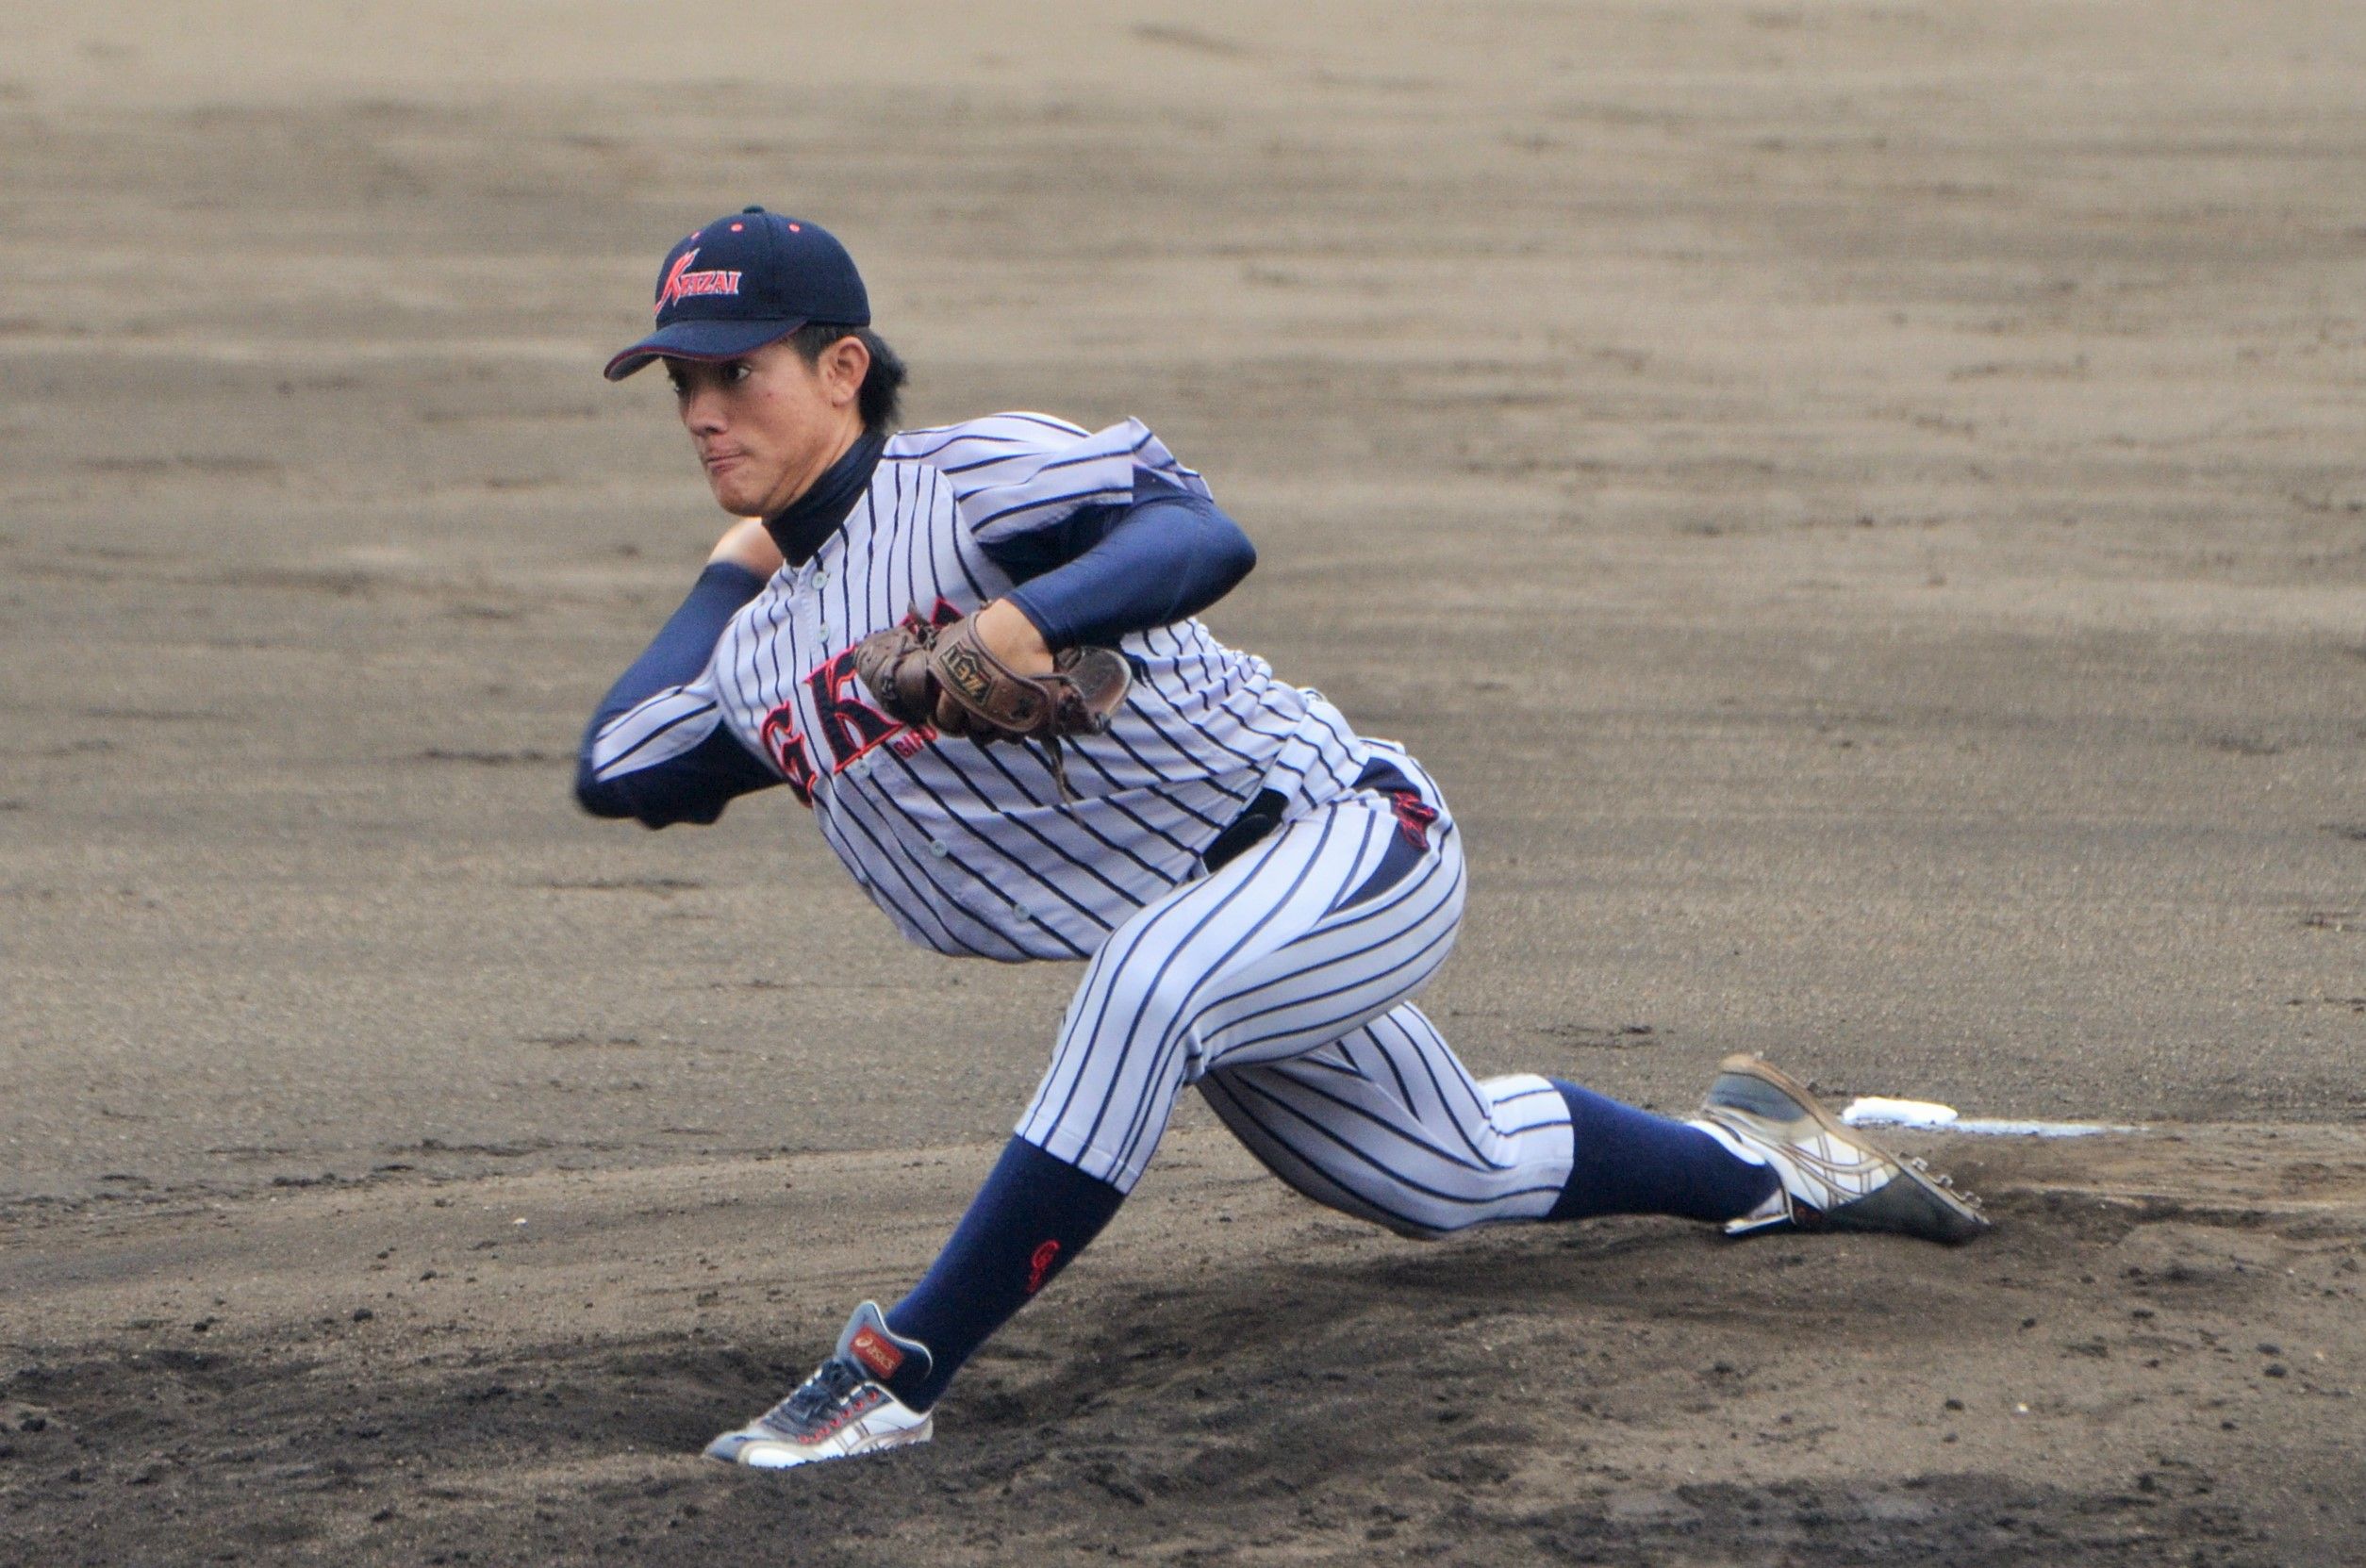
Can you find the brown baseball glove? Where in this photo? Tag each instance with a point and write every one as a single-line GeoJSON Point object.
{"type": "Point", "coordinates": [945, 677]}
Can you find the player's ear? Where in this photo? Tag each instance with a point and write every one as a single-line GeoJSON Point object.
{"type": "Point", "coordinates": [843, 366]}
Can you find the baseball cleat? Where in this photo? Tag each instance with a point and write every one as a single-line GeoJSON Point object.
{"type": "Point", "coordinates": [841, 1411]}
{"type": "Point", "coordinates": [1833, 1177]}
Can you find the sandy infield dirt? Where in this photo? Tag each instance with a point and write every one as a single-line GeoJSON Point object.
{"type": "Point", "coordinates": [1861, 506]}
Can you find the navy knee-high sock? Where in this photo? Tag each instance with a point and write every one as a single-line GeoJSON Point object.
{"type": "Point", "coordinates": [1630, 1161]}
{"type": "Point", "coordinates": [1033, 1215]}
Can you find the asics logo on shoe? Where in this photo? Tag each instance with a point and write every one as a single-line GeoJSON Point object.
{"type": "Point", "coordinates": [876, 1352]}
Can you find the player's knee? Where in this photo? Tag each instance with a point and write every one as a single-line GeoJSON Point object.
{"type": "Point", "coordinates": [600, 798]}
{"type": "Point", "coordinates": [1142, 1011]}
{"type": "Point", "coordinates": [1164, 1007]}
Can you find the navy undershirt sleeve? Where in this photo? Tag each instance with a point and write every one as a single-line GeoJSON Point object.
{"type": "Point", "coordinates": [695, 785]}
{"type": "Point", "coordinates": [1107, 570]}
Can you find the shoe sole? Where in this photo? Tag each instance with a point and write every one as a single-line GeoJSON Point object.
{"type": "Point", "coordinates": [791, 1461]}
{"type": "Point", "coordinates": [1925, 1208]}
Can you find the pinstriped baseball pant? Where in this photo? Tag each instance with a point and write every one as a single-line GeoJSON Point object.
{"type": "Point", "coordinates": [1277, 985]}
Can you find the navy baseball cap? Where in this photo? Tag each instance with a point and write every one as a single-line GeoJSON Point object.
{"type": "Point", "coordinates": [743, 281]}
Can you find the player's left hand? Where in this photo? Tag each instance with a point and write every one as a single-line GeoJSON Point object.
{"type": "Point", "coordinates": [991, 676]}
{"type": "Point", "coordinates": [1009, 639]}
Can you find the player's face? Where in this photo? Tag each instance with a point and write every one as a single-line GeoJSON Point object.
{"type": "Point", "coordinates": [766, 426]}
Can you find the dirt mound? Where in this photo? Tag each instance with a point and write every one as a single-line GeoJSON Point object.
{"type": "Point", "coordinates": [411, 1375]}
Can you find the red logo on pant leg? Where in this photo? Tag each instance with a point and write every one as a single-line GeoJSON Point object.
{"type": "Point", "coordinates": [1414, 817]}
{"type": "Point", "coordinates": [1040, 1265]}
{"type": "Point", "coordinates": [876, 1351]}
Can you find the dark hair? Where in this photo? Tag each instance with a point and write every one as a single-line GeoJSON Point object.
{"type": "Point", "coordinates": [881, 396]}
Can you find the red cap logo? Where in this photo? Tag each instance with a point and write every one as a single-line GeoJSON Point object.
{"type": "Point", "coordinates": [681, 283]}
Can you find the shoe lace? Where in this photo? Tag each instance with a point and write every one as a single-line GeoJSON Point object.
{"type": "Point", "coordinates": [820, 1396]}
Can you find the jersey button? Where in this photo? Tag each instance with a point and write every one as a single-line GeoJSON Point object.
{"type": "Point", "coordinates": [1019, 911]}
{"type": "Point", "coordinates": [938, 848]}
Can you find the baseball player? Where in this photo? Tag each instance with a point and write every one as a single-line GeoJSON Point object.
{"type": "Point", "coordinates": [971, 653]}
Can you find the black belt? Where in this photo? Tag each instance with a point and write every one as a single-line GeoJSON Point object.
{"type": "Point", "coordinates": [1264, 814]}
{"type": "Point", "coordinates": [1256, 819]}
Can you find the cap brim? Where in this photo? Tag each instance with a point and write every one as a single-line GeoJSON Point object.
{"type": "Point", "coordinates": [697, 339]}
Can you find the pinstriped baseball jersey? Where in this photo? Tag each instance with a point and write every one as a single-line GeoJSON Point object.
{"type": "Point", "coordinates": [969, 849]}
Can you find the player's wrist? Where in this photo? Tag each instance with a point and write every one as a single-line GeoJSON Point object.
{"type": "Point", "coordinates": [1011, 634]}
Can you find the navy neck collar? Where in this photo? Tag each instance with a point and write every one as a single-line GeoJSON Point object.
{"type": "Point", "coordinates": [800, 527]}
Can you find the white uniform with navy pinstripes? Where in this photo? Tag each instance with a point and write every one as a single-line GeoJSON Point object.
{"type": "Point", "coordinates": [1262, 984]}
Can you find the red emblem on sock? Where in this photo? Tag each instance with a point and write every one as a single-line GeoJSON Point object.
{"type": "Point", "coordinates": [876, 1351]}
{"type": "Point", "coordinates": [1040, 1264]}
